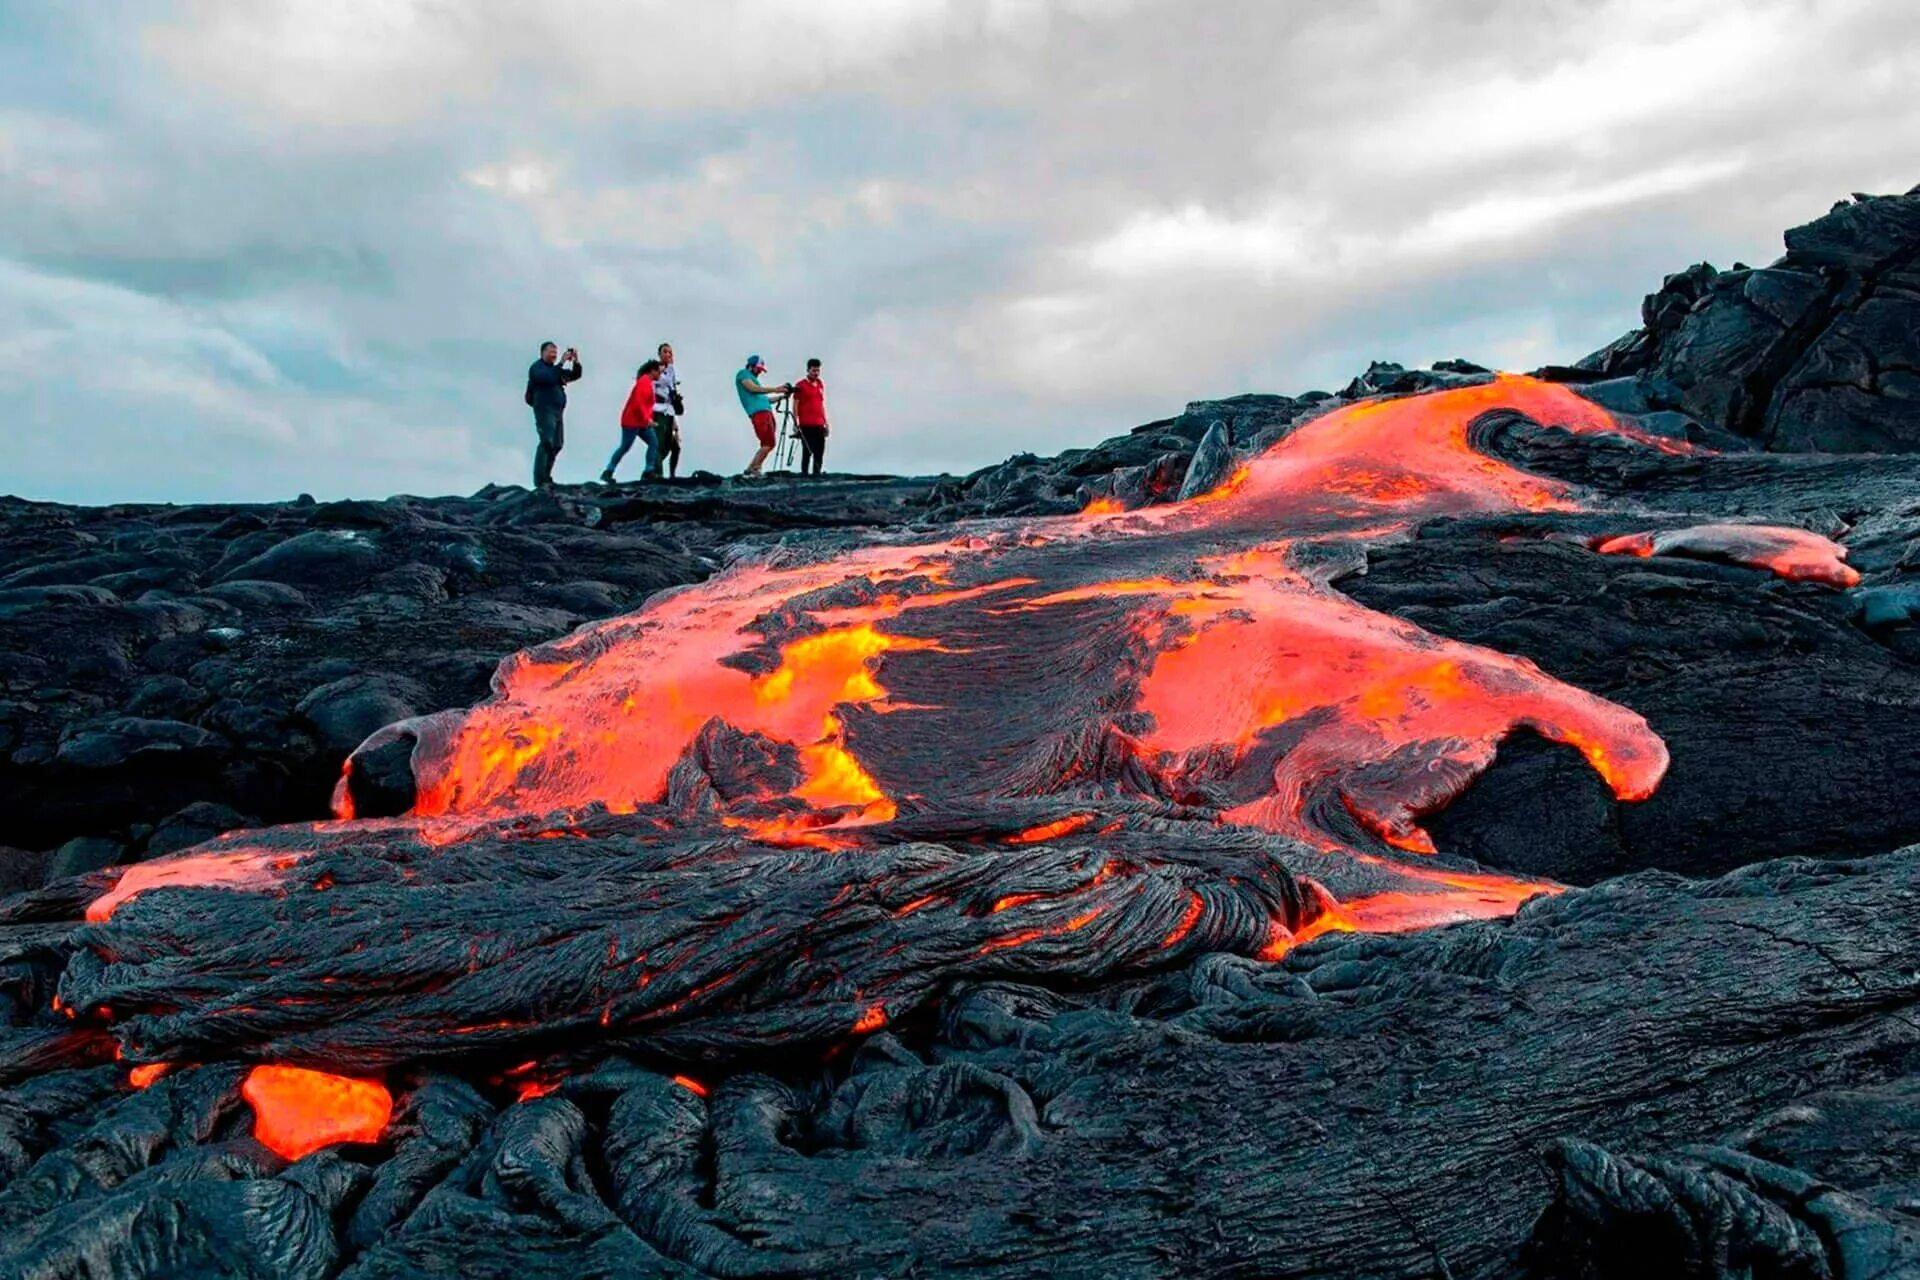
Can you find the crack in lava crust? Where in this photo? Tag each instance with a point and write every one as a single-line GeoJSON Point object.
{"type": "Point", "coordinates": [788, 804]}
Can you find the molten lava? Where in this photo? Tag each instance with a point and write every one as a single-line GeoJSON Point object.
{"type": "Point", "coordinates": [1794, 554]}
{"type": "Point", "coordinates": [241, 869]}
{"type": "Point", "coordinates": [297, 1111]}
{"type": "Point", "coordinates": [143, 1076]}
{"type": "Point", "coordinates": [1231, 667]}
{"type": "Point", "coordinates": [1037, 698]}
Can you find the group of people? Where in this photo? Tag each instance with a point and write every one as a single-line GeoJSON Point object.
{"type": "Point", "coordinates": [654, 407]}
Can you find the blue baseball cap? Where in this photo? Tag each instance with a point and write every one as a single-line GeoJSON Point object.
{"type": "Point", "coordinates": [755, 362]}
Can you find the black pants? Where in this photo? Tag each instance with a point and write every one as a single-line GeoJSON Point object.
{"type": "Point", "coordinates": [669, 428]}
{"type": "Point", "coordinates": [813, 450]}
{"type": "Point", "coordinates": [550, 426]}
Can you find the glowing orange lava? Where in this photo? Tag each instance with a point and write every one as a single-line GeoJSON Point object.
{"type": "Point", "coordinates": [1191, 917]}
{"type": "Point", "coordinates": [1462, 896]}
{"type": "Point", "coordinates": [297, 1111]}
{"type": "Point", "coordinates": [1052, 830]}
{"type": "Point", "coordinates": [1244, 647]}
{"type": "Point", "coordinates": [1265, 652]}
{"type": "Point", "coordinates": [144, 1075]}
{"type": "Point", "coordinates": [608, 732]}
{"type": "Point", "coordinates": [238, 869]}
{"type": "Point", "coordinates": [1200, 641]}
{"type": "Point", "coordinates": [1794, 554]}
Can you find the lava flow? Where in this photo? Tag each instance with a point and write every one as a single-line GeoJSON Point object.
{"type": "Point", "coordinates": [799, 797]}
{"type": "Point", "coordinates": [941, 674]}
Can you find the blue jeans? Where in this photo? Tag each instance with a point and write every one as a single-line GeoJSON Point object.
{"type": "Point", "coordinates": [627, 436]}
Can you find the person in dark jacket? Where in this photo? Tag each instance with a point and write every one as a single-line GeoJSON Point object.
{"type": "Point", "coordinates": [547, 396]}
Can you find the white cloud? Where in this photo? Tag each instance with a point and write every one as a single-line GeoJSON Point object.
{"type": "Point", "coordinates": [1511, 215]}
{"type": "Point", "coordinates": [332, 63]}
{"type": "Point", "coordinates": [521, 178]}
{"type": "Point", "coordinates": [1197, 239]}
{"type": "Point", "coordinates": [1623, 65]}
{"type": "Point", "coordinates": [353, 63]}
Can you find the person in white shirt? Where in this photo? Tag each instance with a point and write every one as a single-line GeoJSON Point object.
{"type": "Point", "coordinates": [667, 408]}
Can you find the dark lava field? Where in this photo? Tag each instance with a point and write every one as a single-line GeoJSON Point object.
{"type": "Point", "coordinates": [1464, 825]}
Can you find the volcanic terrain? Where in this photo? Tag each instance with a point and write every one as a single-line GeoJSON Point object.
{"type": "Point", "coordinates": [1465, 825]}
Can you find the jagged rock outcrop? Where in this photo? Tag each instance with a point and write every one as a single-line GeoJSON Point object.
{"type": "Point", "coordinates": [1819, 351]}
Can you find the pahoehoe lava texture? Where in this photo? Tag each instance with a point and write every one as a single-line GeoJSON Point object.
{"type": "Point", "coordinates": [1152, 860]}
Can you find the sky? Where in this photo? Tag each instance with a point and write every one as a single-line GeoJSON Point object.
{"type": "Point", "coordinates": [253, 248]}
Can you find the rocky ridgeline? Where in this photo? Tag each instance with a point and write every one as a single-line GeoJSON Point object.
{"type": "Point", "coordinates": [167, 673]}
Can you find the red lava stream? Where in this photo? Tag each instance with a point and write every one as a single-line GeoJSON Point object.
{"type": "Point", "coordinates": [1202, 638]}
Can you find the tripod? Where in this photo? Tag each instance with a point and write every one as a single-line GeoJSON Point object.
{"type": "Point", "coordinates": [788, 442]}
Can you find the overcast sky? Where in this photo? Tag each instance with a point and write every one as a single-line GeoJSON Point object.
{"type": "Point", "coordinates": [255, 247]}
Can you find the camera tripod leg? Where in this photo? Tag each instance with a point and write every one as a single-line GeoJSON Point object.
{"type": "Point", "coordinates": [783, 457]}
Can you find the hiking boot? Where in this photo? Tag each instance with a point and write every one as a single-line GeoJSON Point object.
{"type": "Point", "coordinates": [606, 477]}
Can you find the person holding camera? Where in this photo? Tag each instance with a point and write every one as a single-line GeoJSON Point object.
{"type": "Point", "coordinates": [810, 416]}
{"type": "Point", "coordinates": [547, 396]}
{"type": "Point", "coordinates": [667, 409]}
{"type": "Point", "coordinates": [639, 422]}
{"type": "Point", "coordinates": [758, 403]}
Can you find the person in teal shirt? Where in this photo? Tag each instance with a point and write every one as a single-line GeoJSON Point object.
{"type": "Point", "coordinates": [758, 402]}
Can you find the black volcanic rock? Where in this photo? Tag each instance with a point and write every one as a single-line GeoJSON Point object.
{"type": "Point", "coordinates": [382, 785]}
{"type": "Point", "coordinates": [124, 739]}
{"type": "Point", "coordinates": [1749, 1040]}
{"type": "Point", "coordinates": [1212, 463]}
{"type": "Point", "coordinates": [324, 558]}
{"type": "Point", "coordinates": [196, 824]}
{"type": "Point", "coordinates": [1243, 416]}
{"type": "Point", "coordinates": [87, 853]}
{"type": "Point", "coordinates": [1820, 351]}
{"type": "Point", "coordinates": [22, 869]}
{"type": "Point", "coordinates": [346, 712]}
{"type": "Point", "coordinates": [1383, 377]}
{"type": "Point", "coordinates": [1711, 1210]}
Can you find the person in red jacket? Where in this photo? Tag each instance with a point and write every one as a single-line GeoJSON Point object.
{"type": "Point", "coordinates": [636, 423]}
{"type": "Point", "coordinates": [810, 416]}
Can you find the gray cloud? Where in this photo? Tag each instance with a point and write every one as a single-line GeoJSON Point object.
{"type": "Point", "coordinates": [248, 249]}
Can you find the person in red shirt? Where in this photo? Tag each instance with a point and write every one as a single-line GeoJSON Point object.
{"type": "Point", "coordinates": [810, 416]}
{"type": "Point", "coordinates": [636, 423]}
